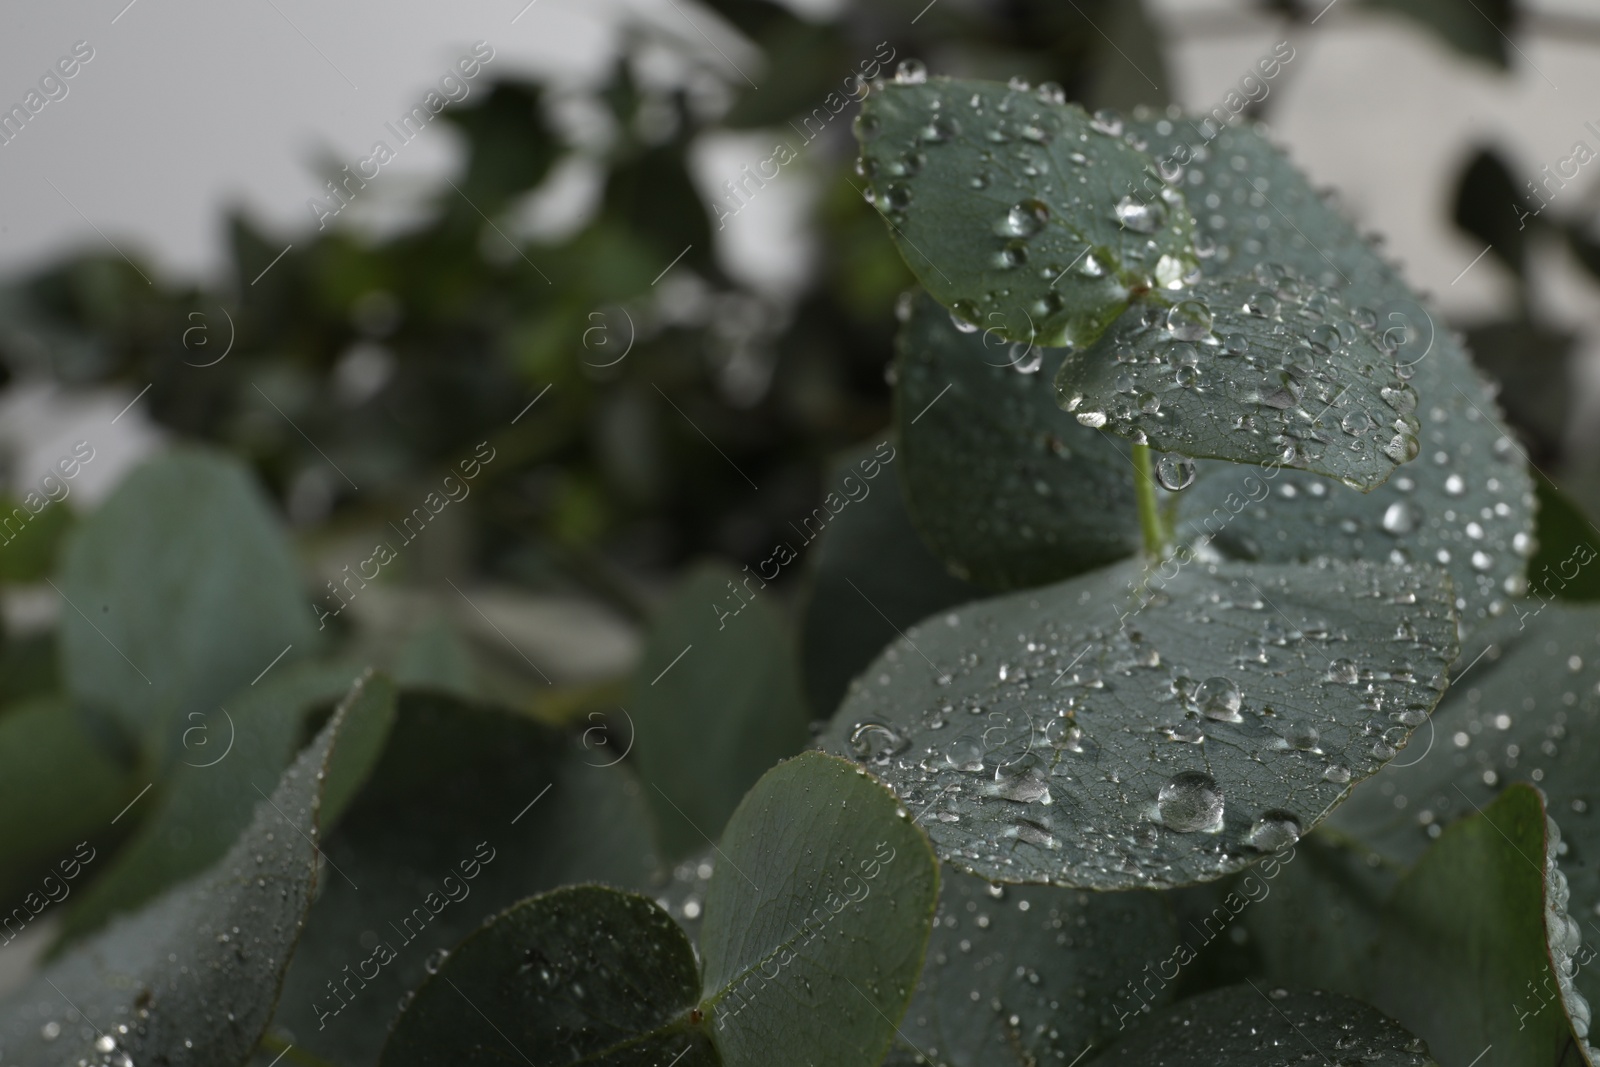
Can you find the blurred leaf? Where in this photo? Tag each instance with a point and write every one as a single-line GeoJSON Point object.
{"type": "Point", "coordinates": [470, 808]}
{"type": "Point", "coordinates": [868, 560]}
{"type": "Point", "coordinates": [1490, 207]}
{"type": "Point", "coordinates": [58, 785]}
{"type": "Point", "coordinates": [1467, 970]}
{"type": "Point", "coordinates": [437, 656]}
{"type": "Point", "coordinates": [998, 478]}
{"type": "Point", "coordinates": [1462, 506]}
{"type": "Point", "coordinates": [28, 666]}
{"type": "Point", "coordinates": [715, 702]}
{"type": "Point", "coordinates": [211, 792]}
{"type": "Point", "coordinates": [1032, 974]}
{"type": "Point", "coordinates": [510, 147]}
{"type": "Point", "coordinates": [180, 589]}
{"type": "Point", "coordinates": [635, 966]}
{"type": "Point", "coordinates": [1244, 1026]}
{"type": "Point", "coordinates": [809, 829]}
{"type": "Point", "coordinates": [192, 979]}
{"type": "Point", "coordinates": [29, 540]}
{"type": "Point", "coordinates": [1233, 371]}
{"type": "Point", "coordinates": [806, 62]}
{"type": "Point", "coordinates": [1533, 365]}
{"type": "Point", "coordinates": [995, 237]}
{"type": "Point", "coordinates": [1479, 29]}
{"type": "Point", "coordinates": [1129, 68]}
{"type": "Point", "coordinates": [1129, 729]}
{"type": "Point", "coordinates": [1567, 539]}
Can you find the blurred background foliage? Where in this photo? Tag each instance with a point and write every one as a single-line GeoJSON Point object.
{"type": "Point", "coordinates": [676, 412]}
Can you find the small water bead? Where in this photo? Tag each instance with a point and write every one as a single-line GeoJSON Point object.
{"type": "Point", "coordinates": [1337, 773]}
{"type": "Point", "coordinates": [1301, 735]}
{"type": "Point", "coordinates": [964, 316]}
{"type": "Point", "coordinates": [1272, 831]}
{"type": "Point", "coordinates": [1262, 305]}
{"type": "Point", "coordinates": [965, 754]}
{"type": "Point", "coordinates": [1455, 485]}
{"type": "Point", "coordinates": [435, 960]}
{"type": "Point", "coordinates": [1092, 419]}
{"type": "Point", "coordinates": [1190, 802]}
{"type": "Point", "coordinates": [1236, 344]}
{"type": "Point", "coordinates": [1189, 320]}
{"type": "Point", "coordinates": [1343, 672]}
{"type": "Point", "coordinates": [1188, 731]}
{"type": "Point", "coordinates": [1219, 698]}
{"type": "Point", "coordinates": [1401, 517]}
{"type": "Point", "coordinates": [1091, 265]}
{"type": "Point", "coordinates": [867, 127]}
{"type": "Point", "coordinates": [1175, 473]}
{"type": "Point", "coordinates": [1357, 422]}
{"type": "Point", "coordinates": [1141, 216]}
{"type": "Point", "coordinates": [1014, 254]}
{"type": "Point", "coordinates": [979, 181]}
{"type": "Point", "coordinates": [910, 72]}
{"type": "Point", "coordinates": [1107, 122]}
{"type": "Point", "coordinates": [1026, 218]}
{"type": "Point", "coordinates": [896, 197]}
{"type": "Point", "coordinates": [940, 128]}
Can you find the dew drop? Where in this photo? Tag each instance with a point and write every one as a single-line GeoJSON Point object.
{"type": "Point", "coordinates": [1401, 517]}
{"type": "Point", "coordinates": [1189, 320]}
{"type": "Point", "coordinates": [876, 741]}
{"type": "Point", "coordinates": [1219, 698]}
{"type": "Point", "coordinates": [1175, 473]}
{"type": "Point", "coordinates": [1026, 218]}
{"type": "Point", "coordinates": [1190, 801]}
{"type": "Point", "coordinates": [910, 72]}
{"type": "Point", "coordinates": [1272, 831]}
{"type": "Point", "coordinates": [1139, 216]}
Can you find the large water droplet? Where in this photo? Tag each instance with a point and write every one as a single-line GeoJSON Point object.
{"type": "Point", "coordinates": [910, 72]}
{"type": "Point", "coordinates": [1401, 517]}
{"type": "Point", "coordinates": [1219, 698]}
{"type": "Point", "coordinates": [1343, 672]}
{"type": "Point", "coordinates": [1190, 802]}
{"type": "Point", "coordinates": [1272, 831]}
{"type": "Point", "coordinates": [1026, 218]}
{"type": "Point", "coordinates": [1189, 320]}
{"type": "Point", "coordinates": [875, 741]}
{"type": "Point", "coordinates": [1139, 216]}
{"type": "Point", "coordinates": [1175, 473]}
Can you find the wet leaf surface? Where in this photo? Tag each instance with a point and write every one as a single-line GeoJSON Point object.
{"type": "Point", "coordinates": [998, 478]}
{"type": "Point", "coordinates": [1242, 1026]}
{"type": "Point", "coordinates": [1067, 735]}
{"type": "Point", "coordinates": [1019, 212]}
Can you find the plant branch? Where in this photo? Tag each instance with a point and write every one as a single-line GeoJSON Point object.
{"type": "Point", "coordinates": [1144, 489]}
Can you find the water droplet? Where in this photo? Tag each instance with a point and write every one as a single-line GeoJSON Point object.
{"type": "Point", "coordinates": [1272, 831]}
{"type": "Point", "coordinates": [910, 72]}
{"type": "Point", "coordinates": [876, 741]}
{"type": "Point", "coordinates": [1026, 218]}
{"type": "Point", "coordinates": [1107, 121]}
{"type": "Point", "coordinates": [1190, 802]}
{"type": "Point", "coordinates": [1139, 216]}
{"type": "Point", "coordinates": [1219, 698]}
{"type": "Point", "coordinates": [897, 197]}
{"type": "Point", "coordinates": [50, 1030]}
{"type": "Point", "coordinates": [1336, 772]}
{"type": "Point", "coordinates": [1175, 473]}
{"type": "Point", "coordinates": [1301, 735]}
{"type": "Point", "coordinates": [1357, 422]}
{"type": "Point", "coordinates": [435, 960]}
{"type": "Point", "coordinates": [1455, 485]}
{"type": "Point", "coordinates": [1401, 517]}
{"type": "Point", "coordinates": [1189, 320]}
{"type": "Point", "coordinates": [1091, 265]}
{"type": "Point", "coordinates": [1014, 254]}
{"type": "Point", "coordinates": [1092, 419]}
{"type": "Point", "coordinates": [965, 754]}
{"type": "Point", "coordinates": [1343, 672]}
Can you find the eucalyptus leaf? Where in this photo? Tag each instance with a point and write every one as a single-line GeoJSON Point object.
{"type": "Point", "coordinates": [998, 478]}
{"type": "Point", "coordinates": [715, 701]}
{"type": "Point", "coordinates": [1471, 970]}
{"type": "Point", "coordinates": [819, 909]}
{"type": "Point", "coordinates": [1019, 212]}
{"type": "Point", "coordinates": [872, 576]}
{"type": "Point", "coordinates": [583, 974]}
{"type": "Point", "coordinates": [1246, 1026]}
{"type": "Point", "coordinates": [1126, 729]}
{"type": "Point", "coordinates": [469, 809]}
{"type": "Point", "coordinates": [192, 979]}
{"type": "Point", "coordinates": [180, 589]}
{"type": "Point", "coordinates": [1250, 369]}
{"type": "Point", "coordinates": [1467, 502]}
{"type": "Point", "coordinates": [209, 796]}
{"type": "Point", "coordinates": [1032, 974]}
{"type": "Point", "coordinates": [1529, 712]}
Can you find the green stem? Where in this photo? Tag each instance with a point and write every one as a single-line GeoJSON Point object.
{"type": "Point", "coordinates": [1144, 489]}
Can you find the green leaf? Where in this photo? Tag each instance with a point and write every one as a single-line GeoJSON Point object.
{"type": "Point", "coordinates": [1018, 212]}
{"type": "Point", "coordinates": [59, 784]}
{"type": "Point", "coordinates": [1466, 504]}
{"type": "Point", "coordinates": [615, 981]}
{"type": "Point", "coordinates": [470, 809]}
{"type": "Point", "coordinates": [811, 835]}
{"type": "Point", "coordinates": [1245, 1026]}
{"type": "Point", "coordinates": [1031, 974]}
{"type": "Point", "coordinates": [29, 541]}
{"type": "Point", "coordinates": [1529, 710]}
{"type": "Point", "coordinates": [1468, 970]}
{"type": "Point", "coordinates": [589, 975]}
{"type": "Point", "coordinates": [1490, 206]}
{"type": "Point", "coordinates": [1568, 543]}
{"type": "Point", "coordinates": [1126, 729]}
{"type": "Point", "coordinates": [868, 560]}
{"type": "Point", "coordinates": [715, 702]}
{"type": "Point", "coordinates": [1263, 367]}
{"type": "Point", "coordinates": [210, 794]}
{"type": "Point", "coordinates": [193, 978]}
{"type": "Point", "coordinates": [181, 589]}
{"type": "Point", "coordinates": [1532, 364]}
{"type": "Point", "coordinates": [998, 478]}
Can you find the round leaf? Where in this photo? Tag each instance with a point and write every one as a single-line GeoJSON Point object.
{"type": "Point", "coordinates": [1019, 212]}
{"type": "Point", "coordinates": [1121, 730]}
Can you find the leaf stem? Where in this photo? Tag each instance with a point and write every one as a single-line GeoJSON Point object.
{"type": "Point", "coordinates": [1144, 490]}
